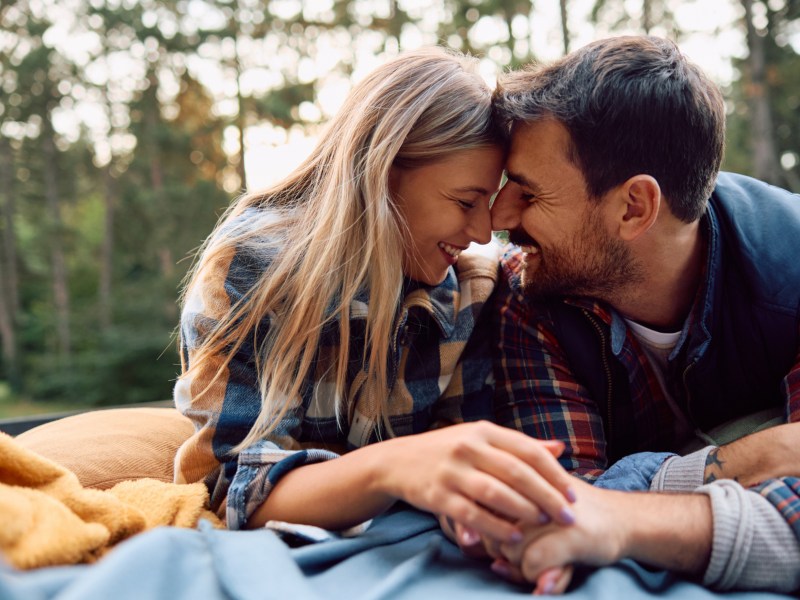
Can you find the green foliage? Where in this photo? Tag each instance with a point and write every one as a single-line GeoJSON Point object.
{"type": "Point", "coordinates": [782, 75]}
{"type": "Point", "coordinates": [142, 181]}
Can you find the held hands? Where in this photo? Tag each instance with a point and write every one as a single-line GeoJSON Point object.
{"type": "Point", "coordinates": [547, 551]}
{"type": "Point", "coordinates": [483, 476]}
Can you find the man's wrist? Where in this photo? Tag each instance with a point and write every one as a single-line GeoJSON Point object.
{"type": "Point", "coordinates": [671, 531]}
{"type": "Point", "coordinates": [755, 458]}
{"type": "Point", "coordinates": [717, 466]}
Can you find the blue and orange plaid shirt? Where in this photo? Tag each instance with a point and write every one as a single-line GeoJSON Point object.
{"type": "Point", "coordinates": [441, 375]}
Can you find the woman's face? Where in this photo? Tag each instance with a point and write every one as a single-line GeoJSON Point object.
{"type": "Point", "coordinates": [446, 207]}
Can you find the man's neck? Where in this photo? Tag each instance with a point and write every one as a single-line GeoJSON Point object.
{"type": "Point", "coordinates": [672, 263]}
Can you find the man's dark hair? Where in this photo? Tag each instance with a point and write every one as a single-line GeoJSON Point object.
{"type": "Point", "coordinates": [632, 105]}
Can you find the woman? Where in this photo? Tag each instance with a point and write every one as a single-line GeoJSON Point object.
{"type": "Point", "coordinates": [328, 318]}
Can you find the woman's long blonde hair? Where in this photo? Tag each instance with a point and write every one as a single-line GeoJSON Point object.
{"type": "Point", "coordinates": [338, 230]}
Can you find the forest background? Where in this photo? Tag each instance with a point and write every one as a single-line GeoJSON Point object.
{"type": "Point", "coordinates": [126, 127]}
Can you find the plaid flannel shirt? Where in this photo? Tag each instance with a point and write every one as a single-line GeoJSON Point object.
{"type": "Point", "coordinates": [537, 393]}
{"type": "Point", "coordinates": [441, 375]}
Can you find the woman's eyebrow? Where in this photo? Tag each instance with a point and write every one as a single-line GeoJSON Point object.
{"type": "Point", "coordinates": [473, 189]}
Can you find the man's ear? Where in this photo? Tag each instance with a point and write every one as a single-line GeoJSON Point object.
{"type": "Point", "coordinates": [640, 201]}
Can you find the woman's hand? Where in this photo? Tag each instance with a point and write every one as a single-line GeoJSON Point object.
{"type": "Point", "coordinates": [482, 476]}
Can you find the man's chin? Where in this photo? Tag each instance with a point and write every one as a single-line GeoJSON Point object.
{"type": "Point", "coordinates": [532, 286]}
{"type": "Point", "coordinates": [538, 285]}
{"type": "Point", "coordinates": [536, 294]}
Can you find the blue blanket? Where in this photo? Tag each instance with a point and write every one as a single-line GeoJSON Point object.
{"type": "Point", "coordinates": [402, 556]}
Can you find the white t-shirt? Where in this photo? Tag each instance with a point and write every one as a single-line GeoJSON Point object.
{"type": "Point", "coordinates": [658, 345]}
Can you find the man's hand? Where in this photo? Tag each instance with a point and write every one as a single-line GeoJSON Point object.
{"type": "Point", "coordinates": [473, 545]}
{"type": "Point", "coordinates": [767, 454]}
{"type": "Point", "coordinates": [670, 531]}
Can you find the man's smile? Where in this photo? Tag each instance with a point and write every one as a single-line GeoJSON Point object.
{"type": "Point", "coordinates": [527, 244]}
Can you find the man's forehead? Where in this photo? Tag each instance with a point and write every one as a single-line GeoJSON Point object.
{"type": "Point", "coordinates": [549, 132]}
{"type": "Point", "coordinates": [536, 143]}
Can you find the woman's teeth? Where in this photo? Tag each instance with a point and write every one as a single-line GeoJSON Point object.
{"type": "Point", "coordinates": [451, 250]}
{"type": "Point", "coordinates": [530, 249]}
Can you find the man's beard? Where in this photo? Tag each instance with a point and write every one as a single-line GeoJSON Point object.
{"type": "Point", "coordinates": [592, 264]}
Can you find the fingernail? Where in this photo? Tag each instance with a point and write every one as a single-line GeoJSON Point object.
{"type": "Point", "coordinates": [469, 537]}
{"type": "Point", "coordinates": [549, 586]}
{"type": "Point", "coordinates": [515, 537]}
{"type": "Point", "coordinates": [544, 519]}
{"type": "Point", "coordinates": [501, 568]}
{"type": "Point", "coordinates": [566, 516]}
{"type": "Point", "coordinates": [571, 495]}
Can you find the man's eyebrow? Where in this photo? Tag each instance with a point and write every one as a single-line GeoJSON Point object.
{"type": "Point", "coordinates": [521, 180]}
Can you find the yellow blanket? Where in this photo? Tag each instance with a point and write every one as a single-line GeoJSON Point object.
{"type": "Point", "coordinates": [48, 518]}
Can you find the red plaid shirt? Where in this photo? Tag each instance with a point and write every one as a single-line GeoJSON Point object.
{"type": "Point", "coordinates": [537, 393]}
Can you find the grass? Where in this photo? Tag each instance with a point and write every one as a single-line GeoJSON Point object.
{"type": "Point", "coordinates": [12, 405]}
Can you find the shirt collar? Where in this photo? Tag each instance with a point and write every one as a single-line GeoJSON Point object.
{"type": "Point", "coordinates": [440, 301]}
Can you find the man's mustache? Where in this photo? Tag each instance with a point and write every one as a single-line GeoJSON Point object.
{"type": "Point", "coordinates": [518, 237]}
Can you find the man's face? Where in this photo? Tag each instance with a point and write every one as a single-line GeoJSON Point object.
{"type": "Point", "coordinates": [567, 237]}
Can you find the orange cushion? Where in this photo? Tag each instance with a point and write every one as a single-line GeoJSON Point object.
{"type": "Point", "coordinates": [105, 447]}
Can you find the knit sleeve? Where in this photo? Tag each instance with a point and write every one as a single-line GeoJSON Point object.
{"type": "Point", "coordinates": [755, 540]}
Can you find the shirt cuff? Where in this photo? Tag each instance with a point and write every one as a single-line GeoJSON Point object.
{"type": "Point", "coordinates": [634, 472]}
{"type": "Point", "coordinates": [753, 547]}
{"type": "Point", "coordinates": [295, 534]}
{"type": "Point", "coordinates": [681, 473]}
{"type": "Point", "coordinates": [259, 469]}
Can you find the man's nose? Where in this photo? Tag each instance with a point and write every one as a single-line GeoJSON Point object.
{"type": "Point", "coordinates": [506, 210]}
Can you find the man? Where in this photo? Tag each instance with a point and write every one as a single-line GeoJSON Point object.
{"type": "Point", "coordinates": [650, 301]}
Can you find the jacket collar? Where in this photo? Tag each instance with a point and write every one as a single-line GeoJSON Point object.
{"type": "Point", "coordinates": [699, 323]}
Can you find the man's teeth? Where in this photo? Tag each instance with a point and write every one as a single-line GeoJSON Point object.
{"type": "Point", "coordinates": [451, 250]}
{"type": "Point", "coordinates": [530, 249]}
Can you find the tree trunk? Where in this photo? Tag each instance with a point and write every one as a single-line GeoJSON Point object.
{"type": "Point", "coordinates": [9, 296]}
{"type": "Point", "coordinates": [59, 265]}
{"type": "Point", "coordinates": [647, 18]}
{"type": "Point", "coordinates": [765, 155]}
{"type": "Point", "coordinates": [11, 278]}
{"type": "Point", "coordinates": [107, 250]}
{"type": "Point", "coordinates": [241, 120]}
{"type": "Point", "coordinates": [152, 120]}
{"type": "Point", "coordinates": [156, 170]}
{"type": "Point", "coordinates": [564, 26]}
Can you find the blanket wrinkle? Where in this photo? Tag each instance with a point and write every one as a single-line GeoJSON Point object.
{"type": "Point", "coordinates": [48, 518]}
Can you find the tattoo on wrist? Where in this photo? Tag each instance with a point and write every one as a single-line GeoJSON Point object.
{"type": "Point", "coordinates": [714, 467]}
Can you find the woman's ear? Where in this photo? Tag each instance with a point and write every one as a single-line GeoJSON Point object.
{"type": "Point", "coordinates": [641, 201]}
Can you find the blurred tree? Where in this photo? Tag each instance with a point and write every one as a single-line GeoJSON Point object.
{"type": "Point", "coordinates": [499, 29]}
{"type": "Point", "coordinates": [38, 69]}
{"type": "Point", "coordinates": [118, 153]}
{"type": "Point", "coordinates": [9, 295]}
{"type": "Point", "coordinates": [564, 25]}
{"type": "Point", "coordinates": [763, 124]}
{"type": "Point", "coordinates": [762, 130]}
{"type": "Point", "coordinates": [160, 176]}
{"type": "Point", "coordinates": [644, 16]}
